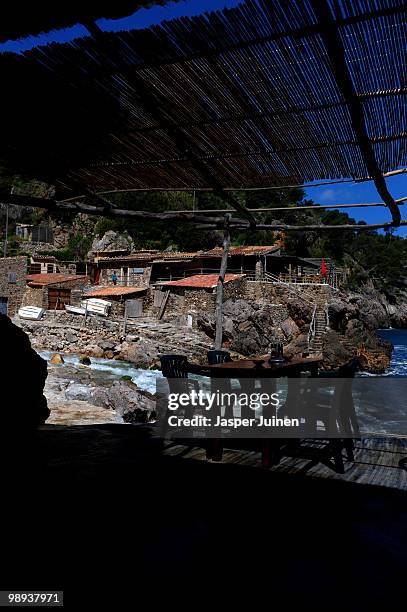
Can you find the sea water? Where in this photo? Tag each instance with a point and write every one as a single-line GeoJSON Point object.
{"type": "Point", "coordinates": [113, 370]}
{"type": "Point", "coordinates": [398, 337]}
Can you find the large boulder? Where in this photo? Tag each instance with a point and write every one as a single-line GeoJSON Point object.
{"type": "Point", "coordinates": [93, 350]}
{"type": "Point", "coordinates": [290, 329]}
{"type": "Point", "coordinates": [340, 312]}
{"type": "Point", "coordinates": [134, 405]}
{"type": "Point", "coordinates": [112, 241]}
{"type": "Point", "coordinates": [249, 328]}
{"type": "Point", "coordinates": [299, 310]}
{"type": "Point", "coordinates": [397, 308]}
{"type": "Point", "coordinates": [56, 359]}
{"type": "Point", "coordinates": [297, 346]}
{"type": "Point", "coordinates": [373, 314]}
{"type": "Point", "coordinates": [142, 353]}
{"type": "Point", "coordinates": [76, 391]}
{"type": "Point", "coordinates": [373, 352]}
{"type": "Point", "coordinates": [335, 351]}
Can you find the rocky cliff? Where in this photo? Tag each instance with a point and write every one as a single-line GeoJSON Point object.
{"type": "Point", "coordinates": [251, 326]}
{"type": "Point", "coordinates": [111, 241]}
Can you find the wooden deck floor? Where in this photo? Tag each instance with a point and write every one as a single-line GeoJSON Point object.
{"type": "Point", "coordinates": [116, 520]}
{"type": "Point", "coordinates": [376, 462]}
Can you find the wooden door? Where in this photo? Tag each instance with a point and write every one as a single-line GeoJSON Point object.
{"type": "Point", "coordinates": [57, 298]}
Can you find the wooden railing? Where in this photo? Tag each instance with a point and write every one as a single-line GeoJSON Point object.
{"type": "Point", "coordinates": [312, 279]}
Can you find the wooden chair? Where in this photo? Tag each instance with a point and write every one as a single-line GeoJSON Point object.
{"type": "Point", "coordinates": [336, 412]}
{"type": "Point", "coordinates": [174, 366]}
{"type": "Point", "coordinates": [340, 417]}
{"type": "Point", "coordinates": [214, 448]}
{"type": "Point", "coordinates": [218, 356]}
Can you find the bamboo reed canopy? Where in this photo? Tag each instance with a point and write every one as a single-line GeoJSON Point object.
{"type": "Point", "coordinates": [35, 17]}
{"type": "Point", "coordinates": [267, 94]}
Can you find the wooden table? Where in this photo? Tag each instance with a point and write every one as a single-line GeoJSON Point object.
{"type": "Point", "coordinates": [245, 368]}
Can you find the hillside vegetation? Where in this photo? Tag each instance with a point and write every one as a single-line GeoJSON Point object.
{"type": "Point", "coordinates": [371, 257]}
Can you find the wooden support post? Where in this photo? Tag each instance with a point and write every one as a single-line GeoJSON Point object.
{"type": "Point", "coordinates": [220, 285]}
{"type": "Point", "coordinates": [86, 313]}
{"type": "Point", "coordinates": [163, 306]}
{"type": "Point", "coordinates": [337, 56]}
{"type": "Point", "coordinates": [125, 320]}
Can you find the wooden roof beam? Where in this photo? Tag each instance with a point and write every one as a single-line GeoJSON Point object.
{"type": "Point", "coordinates": [336, 53]}
{"type": "Point", "coordinates": [227, 189]}
{"type": "Point", "coordinates": [102, 211]}
{"type": "Point", "coordinates": [201, 221]}
{"type": "Point", "coordinates": [286, 209]}
{"type": "Point", "coordinates": [304, 228]}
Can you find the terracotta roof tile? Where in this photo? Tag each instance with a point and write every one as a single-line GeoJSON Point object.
{"type": "Point", "coordinates": [253, 250]}
{"type": "Point", "coordinates": [179, 255]}
{"type": "Point", "coordinates": [175, 255]}
{"type": "Point", "coordinates": [46, 258]}
{"type": "Point", "coordinates": [244, 250]}
{"type": "Point", "coordinates": [201, 281]}
{"type": "Point", "coordinates": [111, 291]}
{"type": "Point", "coordinates": [141, 256]}
{"type": "Point", "coordinates": [40, 280]}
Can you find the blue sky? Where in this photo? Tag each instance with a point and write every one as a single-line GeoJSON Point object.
{"type": "Point", "coordinates": [346, 193]}
{"type": "Point", "coordinates": [359, 193]}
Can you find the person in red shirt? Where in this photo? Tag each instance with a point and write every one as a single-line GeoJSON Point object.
{"type": "Point", "coordinates": [324, 271]}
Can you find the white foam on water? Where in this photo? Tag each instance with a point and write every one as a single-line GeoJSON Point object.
{"type": "Point", "coordinates": [144, 379]}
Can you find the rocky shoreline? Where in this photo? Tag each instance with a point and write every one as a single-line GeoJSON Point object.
{"type": "Point", "coordinates": [78, 395]}
{"type": "Point", "coordinates": [141, 345]}
{"type": "Point", "coordinates": [82, 395]}
{"type": "Point", "coordinates": [250, 325]}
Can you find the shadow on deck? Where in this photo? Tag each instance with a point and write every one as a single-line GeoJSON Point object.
{"type": "Point", "coordinates": [102, 510]}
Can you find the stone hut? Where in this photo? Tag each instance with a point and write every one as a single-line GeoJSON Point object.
{"type": "Point", "coordinates": [132, 298]}
{"type": "Point", "coordinates": [196, 294]}
{"type": "Point", "coordinates": [42, 264]}
{"type": "Point", "coordinates": [13, 272]}
{"type": "Point", "coordinates": [52, 291]}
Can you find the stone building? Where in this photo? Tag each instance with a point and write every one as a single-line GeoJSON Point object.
{"type": "Point", "coordinates": [143, 268]}
{"type": "Point", "coordinates": [52, 291]}
{"type": "Point", "coordinates": [132, 298]}
{"type": "Point", "coordinates": [42, 264]}
{"type": "Point", "coordinates": [190, 296]}
{"type": "Point", "coordinates": [13, 272]}
{"type": "Point", "coordinates": [131, 270]}
{"type": "Point", "coordinates": [35, 233]}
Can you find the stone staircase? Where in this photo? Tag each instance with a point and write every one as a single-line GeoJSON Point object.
{"type": "Point", "coordinates": [318, 327]}
{"type": "Point", "coordinates": [317, 300]}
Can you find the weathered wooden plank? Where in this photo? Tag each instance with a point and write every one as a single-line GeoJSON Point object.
{"type": "Point", "coordinates": [220, 285]}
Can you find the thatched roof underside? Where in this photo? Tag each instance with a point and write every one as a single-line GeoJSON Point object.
{"type": "Point", "coordinates": [240, 98]}
{"type": "Point", "coordinates": [32, 18]}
